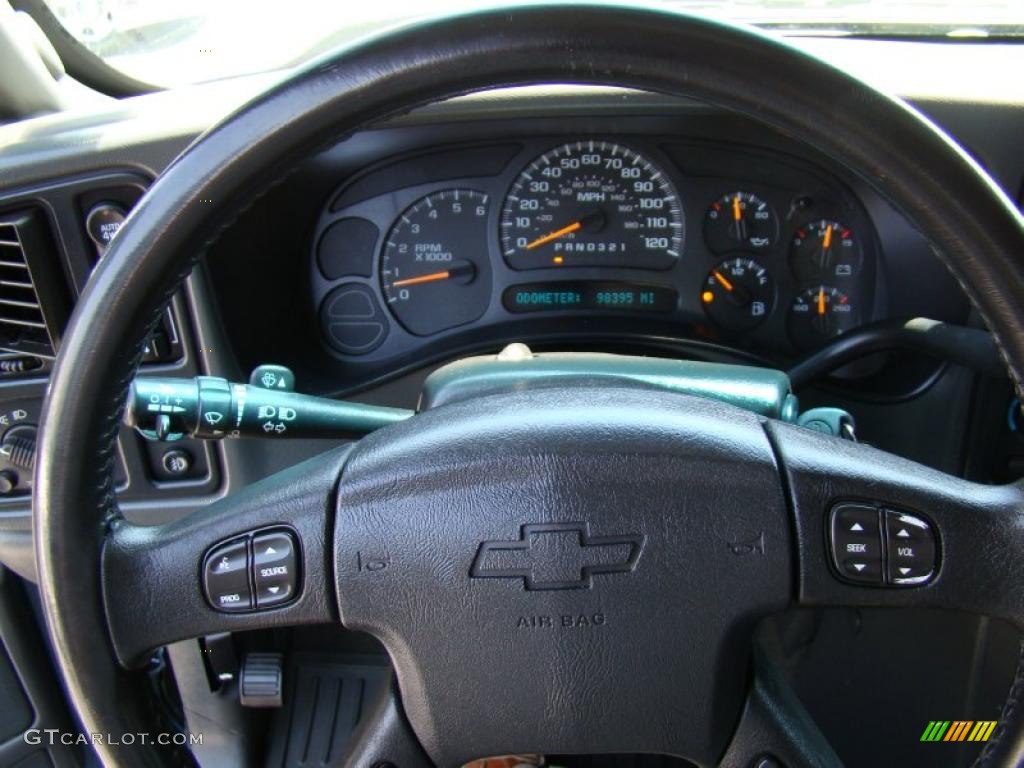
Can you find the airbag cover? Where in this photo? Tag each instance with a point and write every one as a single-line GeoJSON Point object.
{"type": "Point", "coordinates": [566, 571]}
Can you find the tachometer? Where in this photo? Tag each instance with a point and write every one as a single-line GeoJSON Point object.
{"type": "Point", "coordinates": [592, 203]}
{"type": "Point", "coordinates": [434, 269]}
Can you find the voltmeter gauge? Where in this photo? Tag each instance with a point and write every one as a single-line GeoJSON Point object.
{"type": "Point", "coordinates": [740, 220]}
{"type": "Point", "coordinates": [825, 250]}
{"type": "Point", "coordinates": [738, 294]}
{"type": "Point", "coordinates": [819, 314]}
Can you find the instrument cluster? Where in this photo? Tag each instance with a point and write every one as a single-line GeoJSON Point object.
{"type": "Point", "coordinates": [724, 243]}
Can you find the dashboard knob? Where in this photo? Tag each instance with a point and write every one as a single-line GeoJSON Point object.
{"type": "Point", "coordinates": [19, 447]}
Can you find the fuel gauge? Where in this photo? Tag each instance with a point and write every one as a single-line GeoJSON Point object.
{"type": "Point", "coordinates": [740, 220]}
{"type": "Point", "coordinates": [824, 250]}
{"type": "Point", "coordinates": [738, 294]}
{"type": "Point", "coordinates": [820, 313]}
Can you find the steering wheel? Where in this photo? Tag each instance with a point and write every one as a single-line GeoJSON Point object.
{"type": "Point", "coordinates": [645, 647]}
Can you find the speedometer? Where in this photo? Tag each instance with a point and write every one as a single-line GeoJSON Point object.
{"type": "Point", "coordinates": [592, 203]}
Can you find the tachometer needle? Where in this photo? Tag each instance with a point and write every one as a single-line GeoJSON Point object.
{"type": "Point", "coordinates": [568, 229]}
{"type": "Point", "coordinates": [428, 278]}
{"type": "Point", "coordinates": [826, 241]}
{"type": "Point", "coordinates": [457, 270]}
{"type": "Point", "coordinates": [821, 301]}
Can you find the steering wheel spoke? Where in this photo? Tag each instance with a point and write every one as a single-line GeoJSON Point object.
{"type": "Point", "coordinates": [157, 572]}
{"type": "Point", "coordinates": [384, 737]}
{"type": "Point", "coordinates": [975, 560]}
{"type": "Point", "coordinates": [775, 726]}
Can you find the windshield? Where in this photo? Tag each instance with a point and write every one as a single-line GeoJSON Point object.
{"type": "Point", "coordinates": [189, 41]}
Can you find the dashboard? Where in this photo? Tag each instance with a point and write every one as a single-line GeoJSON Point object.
{"type": "Point", "coordinates": [724, 242]}
{"type": "Point", "coordinates": [665, 228]}
{"type": "Point", "coordinates": [570, 219]}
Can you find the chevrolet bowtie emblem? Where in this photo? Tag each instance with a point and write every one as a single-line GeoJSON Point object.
{"type": "Point", "coordinates": [556, 556]}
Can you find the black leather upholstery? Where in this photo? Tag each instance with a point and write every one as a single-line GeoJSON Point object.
{"type": "Point", "coordinates": [972, 224]}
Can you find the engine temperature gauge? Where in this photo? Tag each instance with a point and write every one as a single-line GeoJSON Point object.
{"type": "Point", "coordinates": [740, 220]}
{"type": "Point", "coordinates": [820, 313]}
{"type": "Point", "coordinates": [738, 294]}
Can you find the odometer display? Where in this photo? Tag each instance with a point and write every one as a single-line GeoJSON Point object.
{"type": "Point", "coordinates": [592, 203]}
{"type": "Point", "coordinates": [613, 295]}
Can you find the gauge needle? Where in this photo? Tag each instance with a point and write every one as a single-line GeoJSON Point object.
{"type": "Point", "coordinates": [721, 279]}
{"type": "Point", "coordinates": [737, 216]}
{"type": "Point", "coordinates": [826, 242]}
{"type": "Point", "coordinates": [456, 270]}
{"type": "Point", "coordinates": [568, 229]}
{"type": "Point", "coordinates": [821, 301]}
{"type": "Point", "coordinates": [428, 278]}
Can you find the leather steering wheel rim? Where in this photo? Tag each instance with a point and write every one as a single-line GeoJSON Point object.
{"type": "Point", "coordinates": [900, 153]}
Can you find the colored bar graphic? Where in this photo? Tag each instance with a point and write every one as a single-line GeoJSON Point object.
{"type": "Point", "coordinates": [958, 730]}
{"type": "Point", "coordinates": [982, 730]}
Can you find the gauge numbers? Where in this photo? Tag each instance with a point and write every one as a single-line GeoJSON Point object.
{"type": "Point", "coordinates": [740, 220]}
{"type": "Point", "coordinates": [738, 294]}
{"type": "Point", "coordinates": [819, 314]}
{"type": "Point", "coordinates": [434, 267]}
{"type": "Point", "coordinates": [824, 250]}
{"type": "Point", "coordinates": [592, 203]}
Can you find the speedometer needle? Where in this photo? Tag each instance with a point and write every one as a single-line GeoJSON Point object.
{"type": "Point", "coordinates": [821, 301]}
{"type": "Point", "coordinates": [568, 229]}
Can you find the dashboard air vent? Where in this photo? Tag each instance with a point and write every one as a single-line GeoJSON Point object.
{"type": "Point", "coordinates": [34, 301]}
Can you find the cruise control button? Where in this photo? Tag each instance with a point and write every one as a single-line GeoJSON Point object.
{"type": "Point", "coordinates": [226, 577]}
{"type": "Point", "coordinates": [857, 542]}
{"type": "Point", "coordinates": [275, 568]}
{"type": "Point", "coordinates": [911, 544]}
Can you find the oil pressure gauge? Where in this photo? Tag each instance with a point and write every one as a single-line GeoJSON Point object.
{"type": "Point", "coordinates": [740, 220]}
